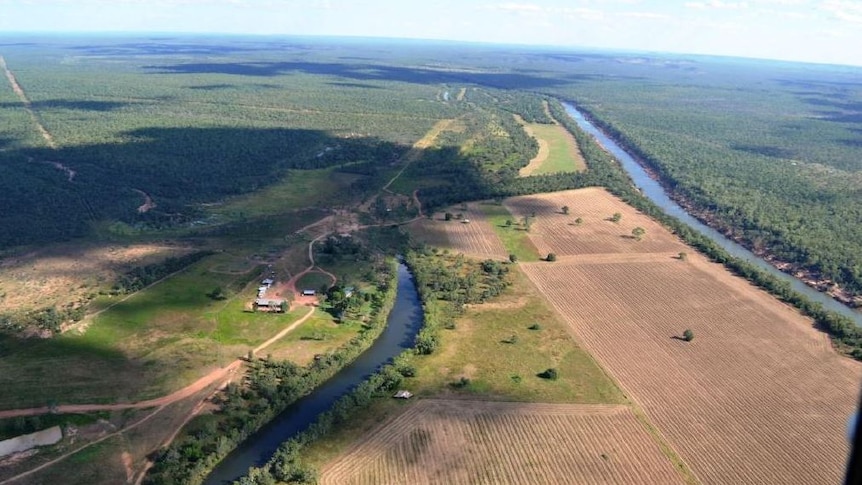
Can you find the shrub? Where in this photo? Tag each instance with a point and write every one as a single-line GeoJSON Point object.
{"type": "Point", "coordinates": [535, 326]}
{"type": "Point", "coordinates": [688, 335]}
{"type": "Point", "coordinates": [550, 374]}
{"type": "Point", "coordinates": [551, 257]}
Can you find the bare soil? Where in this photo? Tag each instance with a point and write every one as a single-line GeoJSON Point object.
{"type": "Point", "coordinates": [474, 238]}
{"type": "Point", "coordinates": [759, 395]}
{"type": "Point", "coordinates": [468, 442]}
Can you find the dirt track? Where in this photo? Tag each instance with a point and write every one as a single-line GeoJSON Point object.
{"type": "Point", "coordinates": [27, 104]}
{"type": "Point", "coordinates": [183, 393]}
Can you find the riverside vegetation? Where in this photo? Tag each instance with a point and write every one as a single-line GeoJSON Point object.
{"type": "Point", "coordinates": [213, 145]}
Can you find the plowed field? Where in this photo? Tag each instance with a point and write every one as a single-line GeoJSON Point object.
{"type": "Point", "coordinates": [758, 396]}
{"type": "Point", "coordinates": [470, 442]}
{"type": "Point", "coordinates": [555, 232]}
{"type": "Point", "coordinates": [475, 238]}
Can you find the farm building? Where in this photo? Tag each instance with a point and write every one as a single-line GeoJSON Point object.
{"type": "Point", "coordinates": [308, 292]}
{"type": "Point", "coordinates": [267, 282]}
{"type": "Point", "coordinates": [270, 305]}
{"type": "Point", "coordinates": [403, 395]}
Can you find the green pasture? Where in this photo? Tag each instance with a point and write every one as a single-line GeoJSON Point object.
{"type": "Point", "coordinates": [514, 237]}
{"type": "Point", "coordinates": [563, 155]}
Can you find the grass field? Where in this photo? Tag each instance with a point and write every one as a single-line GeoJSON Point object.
{"type": "Point", "coordinates": [758, 396]}
{"type": "Point", "coordinates": [153, 342]}
{"type": "Point", "coordinates": [558, 150]}
{"type": "Point", "coordinates": [477, 349]}
{"type": "Point", "coordinates": [469, 442]}
{"type": "Point", "coordinates": [317, 335]}
{"type": "Point", "coordinates": [514, 238]}
{"type": "Point", "coordinates": [299, 189]}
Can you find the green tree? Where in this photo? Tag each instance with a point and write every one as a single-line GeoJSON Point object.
{"type": "Point", "coordinates": [513, 258]}
{"type": "Point", "coordinates": [551, 257]}
{"type": "Point", "coordinates": [682, 256]}
{"type": "Point", "coordinates": [688, 335]}
{"type": "Point", "coordinates": [579, 221]}
{"type": "Point", "coordinates": [638, 233]}
{"type": "Point", "coordinates": [508, 222]}
{"type": "Point", "coordinates": [550, 374]}
{"type": "Point", "coordinates": [566, 210]}
{"type": "Point", "coordinates": [447, 216]}
{"type": "Point", "coordinates": [617, 217]}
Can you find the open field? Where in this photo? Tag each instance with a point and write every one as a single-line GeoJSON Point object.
{"type": "Point", "coordinates": [151, 343]}
{"type": "Point", "coordinates": [758, 396]}
{"type": "Point", "coordinates": [469, 442]}
{"type": "Point", "coordinates": [554, 232]}
{"type": "Point", "coordinates": [63, 274]}
{"type": "Point", "coordinates": [558, 150]}
{"type": "Point", "coordinates": [474, 238]}
{"type": "Point", "coordinates": [478, 349]}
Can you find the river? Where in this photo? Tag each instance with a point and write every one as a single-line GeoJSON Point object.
{"type": "Point", "coordinates": [656, 193]}
{"type": "Point", "coordinates": [402, 325]}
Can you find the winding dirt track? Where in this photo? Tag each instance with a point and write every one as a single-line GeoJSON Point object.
{"type": "Point", "coordinates": [183, 393]}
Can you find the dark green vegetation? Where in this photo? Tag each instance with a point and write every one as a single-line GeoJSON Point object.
{"type": "Point", "coordinates": [233, 144]}
{"type": "Point", "coordinates": [769, 153]}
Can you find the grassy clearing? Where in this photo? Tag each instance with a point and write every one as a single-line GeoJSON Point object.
{"type": "Point", "coordinates": [515, 239]}
{"type": "Point", "coordinates": [148, 345]}
{"type": "Point", "coordinates": [563, 155]}
{"type": "Point", "coordinates": [299, 189]}
{"type": "Point", "coordinates": [313, 280]}
{"type": "Point", "coordinates": [496, 370]}
{"type": "Point", "coordinates": [318, 335]}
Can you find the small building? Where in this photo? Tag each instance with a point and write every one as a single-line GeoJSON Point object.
{"type": "Point", "coordinates": [308, 292]}
{"type": "Point", "coordinates": [267, 282]}
{"type": "Point", "coordinates": [349, 291]}
{"type": "Point", "coordinates": [465, 221]}
{"type": "Point", "coordinates": [403, 395]}
{"type": "Point", "coordinates": [269, 305]}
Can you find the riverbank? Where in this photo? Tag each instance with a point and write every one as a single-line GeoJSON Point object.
{"type": "Point", "coordinates": [812, 279]}
{"type": "Point", "coordinates": [402, 324]}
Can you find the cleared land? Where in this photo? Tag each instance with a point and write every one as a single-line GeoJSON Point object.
{"type": "Point", "coordinates": [468, 442]}
{"type": "Point", "coordinates": [553, 231]}
{"type": "Point", "coordinates": [558, 150]}
{"type": "Point", "coordinates": [757, 397]}
{"type": "Point", "coordinates": [65, 274]}
{"type": "Point", "coordinates": [473, 238]}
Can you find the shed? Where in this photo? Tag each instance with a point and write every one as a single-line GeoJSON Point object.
{"type": "Point", "coordinates": [403, 395]}
{"type": "Point", "coordinates": [267, 282]}
{"type": "Point", "coordinates": [269, 304]}
{"type": "Point", "coordinates": [308, 292]}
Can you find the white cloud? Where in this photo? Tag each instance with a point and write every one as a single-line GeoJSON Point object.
{"type": "Point", "coordinates": [848, 11]}
{"type": "Point", "coordinates": [718, 4]}
{"type": "Point", "coordinates": [645, 15]}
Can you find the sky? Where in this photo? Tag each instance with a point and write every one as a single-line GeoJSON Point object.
{"type": "Point", "coordinates": [824, 31]}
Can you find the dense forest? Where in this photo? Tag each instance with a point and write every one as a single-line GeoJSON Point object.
{"type": "Point", "coordinates": [767, 152]}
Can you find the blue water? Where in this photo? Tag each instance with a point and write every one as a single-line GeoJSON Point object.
{"type": "Point", "coordinates": [655, 192]}
{"type": "Point", "coordinates": [402, 325]}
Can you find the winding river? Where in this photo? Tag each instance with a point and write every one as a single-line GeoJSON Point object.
{"type": "Point", "coordinates": [656, 193]}
{"type": "Point", "coordinates": [402, 325]}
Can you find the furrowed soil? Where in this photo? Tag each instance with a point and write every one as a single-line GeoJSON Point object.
{"type": "Point", "coordinates": [468, 442]}
{"type": "Point", "coordinates": [759, 395]}
{"type": "Point", "coordinates": [474, 238]}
